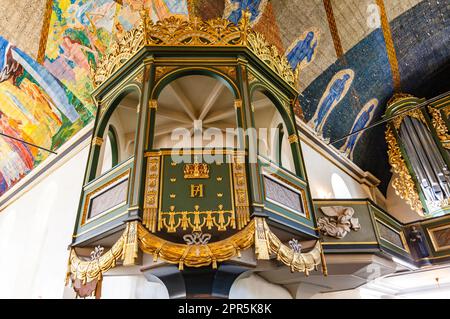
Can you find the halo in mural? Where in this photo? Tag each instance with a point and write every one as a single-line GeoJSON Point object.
{"type": "Point", "coordinates": [336, 90]}
{"type": "Point", "coordinates": [363, 119]}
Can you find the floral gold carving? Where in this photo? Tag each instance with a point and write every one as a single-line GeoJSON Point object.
{"type": "Point", "coordinates": [267, 243]}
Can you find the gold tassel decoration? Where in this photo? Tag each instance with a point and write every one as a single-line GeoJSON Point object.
{"type": "Point", "coordinates": [69, 264]}
{"type": "Point", "coordinates": [130, 250]}
{"type": "Point", "coordinates": [98, 289]}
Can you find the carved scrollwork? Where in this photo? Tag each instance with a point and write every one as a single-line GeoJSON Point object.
{"type": "Point", "coordinates": [175, 31]}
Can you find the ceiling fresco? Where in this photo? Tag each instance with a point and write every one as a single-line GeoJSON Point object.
{"type": "Point", "coordinates": [350, 56]}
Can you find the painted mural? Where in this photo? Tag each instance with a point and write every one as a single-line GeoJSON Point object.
{"type": "Point", "coordinates": [336, 90]}
{"type": "Point", "coordinates": [34, 107]}
{"type": "Point", "coordinates": [362, 120]}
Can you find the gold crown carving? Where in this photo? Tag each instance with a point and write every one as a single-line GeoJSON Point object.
{"type": "Point", "coordinates": [196, 170]}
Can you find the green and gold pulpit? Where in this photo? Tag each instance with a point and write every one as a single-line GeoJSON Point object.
{"type": "Point", "coordinates": [198, 208]}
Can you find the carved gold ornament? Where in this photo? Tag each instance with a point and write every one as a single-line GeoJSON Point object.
{"type": "Point", "coordinates": [174, 31]}
{"type": "Point", "coordinates": [88, 270]}
{"type": "Point", "coordinates": [119, 53]}
{"type": "Point", "coordinates": [198, 251]}
{"type": "Point", "coordinates": [198, 255]}
{"type": "Point", "coordinates": [417, 114]}
{"type": "Point", "coordinates": [403, 184]}
{"type": "Point", "coordinates": [97, 141]}
{"type": "Point", "coordinates": [439, 125]}
{"type": "Point", "coordinates": [197, 220]}
{"type": "Point", "coordinates": [293, 138]}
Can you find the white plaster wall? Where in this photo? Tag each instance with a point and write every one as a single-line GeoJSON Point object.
{"type": "Point", "coordinates": [35, 231]}
{"type": "Point", "coordinates": [132, 287]}
{"type": "Point", "coordinates": [255, 287]}
{"type": "Point", "coordinates": [320, 171]}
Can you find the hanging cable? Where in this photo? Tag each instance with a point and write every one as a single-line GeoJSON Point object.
{"type": "Point", "coordinates": [28, 143]}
